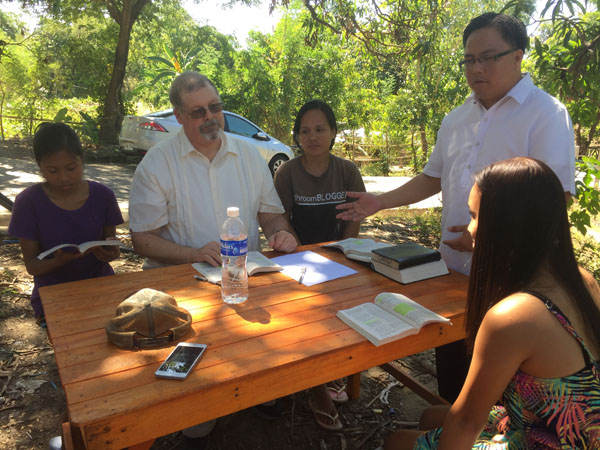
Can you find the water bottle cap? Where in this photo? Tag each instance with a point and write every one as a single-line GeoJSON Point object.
{"type": "Point", "coordinates": [233, 211]}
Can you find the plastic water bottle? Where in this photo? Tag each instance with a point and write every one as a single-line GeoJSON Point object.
{"type": "Point", "coordinates": [234, 249]}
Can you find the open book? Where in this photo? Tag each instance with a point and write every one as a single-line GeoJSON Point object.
{"type": "Point", "coordinates": [255, 262]}
{"type": "Point", "coordinates": [81, 247]}
{"type": "Point", "coordinates": [359, 249]}
{"type": "Point", "coordinates": [390, 317]}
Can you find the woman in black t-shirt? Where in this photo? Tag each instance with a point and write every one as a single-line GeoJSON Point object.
{"type": "Point", "coordinates": [310, 186]}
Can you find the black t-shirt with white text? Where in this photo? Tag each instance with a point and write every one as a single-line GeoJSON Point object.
{"type": "Point", "coordinates": [311, 201]}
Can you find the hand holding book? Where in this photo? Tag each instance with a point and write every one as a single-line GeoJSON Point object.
{"type": "Point", "coordinates": [81, 248]}
{"type": "Point", "coordinates": [107, 253]}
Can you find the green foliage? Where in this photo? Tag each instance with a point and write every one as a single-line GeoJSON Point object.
{"type": "Point", "coordinates": [372, 170]}
{"type": "Point", "coordinates": [567, 63]}
{"type": "Point", "coordinates": [588, 196]}
{"type": "Point", "coordinates": [88, 129]}
{"type": "Point", "coordinates": [167, 67]}
{"type": "Point", "coordinates": [71, 61]}
{"type": "Point", "coordinates": [587, 252]}
{"type": "Point", "coordinates": [277, 74]}
{"type": "Point", "coordinates": [168, 44]}
{"type": "Point", "coordinates": [62, 116]}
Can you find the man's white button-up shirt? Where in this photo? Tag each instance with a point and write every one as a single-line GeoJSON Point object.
{"type": "Point", "coordinates": [526, 122]}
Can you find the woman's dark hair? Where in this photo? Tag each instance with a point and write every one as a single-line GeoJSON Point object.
{"type": "Point", "coordinates": [309, 106]}
{"type": "Point", "coordinates": [511, 29]}
{"type": "Point", "coordinates": [55, 137]}
{"type": "Point", "coordinates": [522, 227]}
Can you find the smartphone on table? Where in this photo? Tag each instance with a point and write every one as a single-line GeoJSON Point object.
{"type": "Point", "coordinates": [181, 360]}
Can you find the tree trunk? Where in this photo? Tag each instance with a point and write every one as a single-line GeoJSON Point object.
{"type": "Point", "coordinates": [424, 143]}
{"type": "Point", "coordinates": [110, 122]}
{"type": "Point", "coordinates": [591, 134]}
{"type": "Point", "coordinates": [2, 113]}
{"type": "Point", "coordinates": [112, 114]}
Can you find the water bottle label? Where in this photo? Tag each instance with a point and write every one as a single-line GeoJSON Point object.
{"type": "Point", "coordinates": [234, 248]}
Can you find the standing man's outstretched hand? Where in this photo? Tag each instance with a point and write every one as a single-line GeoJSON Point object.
{"type": "Point", "coordinates": [463, 243]}
{"type": "Point", "coordinates": [366, 205]}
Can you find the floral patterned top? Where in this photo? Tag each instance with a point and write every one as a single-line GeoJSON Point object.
{"type": "Point", "coordinates": [543, 413]}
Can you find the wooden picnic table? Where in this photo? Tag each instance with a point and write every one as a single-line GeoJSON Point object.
{"type": "Point", "coordinates": [284, 339]}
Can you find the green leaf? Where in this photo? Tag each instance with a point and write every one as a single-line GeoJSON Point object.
{"type": "Point", "coordinates": [160, 59]}
{"type": "Point", "coordinates": [61, 116]}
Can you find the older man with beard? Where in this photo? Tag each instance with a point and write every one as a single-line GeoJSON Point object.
{"type": "Point", "coordinates": [183, 186]}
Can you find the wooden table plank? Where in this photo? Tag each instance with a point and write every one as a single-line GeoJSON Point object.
{"type": "Point", "coordinates": [269, 347]}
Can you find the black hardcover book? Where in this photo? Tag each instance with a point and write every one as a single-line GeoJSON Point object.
{"type": "Point", "coordinates": [405, 255]}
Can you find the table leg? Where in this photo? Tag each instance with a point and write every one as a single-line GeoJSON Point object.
{"type": "Point", "coordinates": [71, 437]}
{"type": "Point", "coordinates": [353, 386]}
{"type": "Point", "coordinates": [414, 385]}
{"type": "Point", "coordinates": [67, 438]}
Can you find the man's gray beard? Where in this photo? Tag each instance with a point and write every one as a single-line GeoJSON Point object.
{"type": "Point", "coordinates": [212, 135]}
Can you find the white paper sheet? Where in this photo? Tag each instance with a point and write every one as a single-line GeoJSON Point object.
{"type": "Point", "coordinates": [318, 268]}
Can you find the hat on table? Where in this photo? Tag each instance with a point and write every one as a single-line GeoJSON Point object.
{"type": "Point", "coordinates": [148, 318]}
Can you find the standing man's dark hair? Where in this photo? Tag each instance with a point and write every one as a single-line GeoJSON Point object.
{"type": "Point", "coordinates": [512, 29]}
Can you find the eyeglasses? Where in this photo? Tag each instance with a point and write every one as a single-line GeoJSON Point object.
{"type": "Point", "coordinates": [200, 113]}
{"type": "Point", "coordinates": [485, 61]}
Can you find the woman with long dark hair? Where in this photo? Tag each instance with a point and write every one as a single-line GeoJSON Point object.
{"type": "Point", "coordinates": [532, 323]}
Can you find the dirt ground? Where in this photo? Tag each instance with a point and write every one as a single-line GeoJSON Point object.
{"type": "Point", "coordinates": [32, 404]}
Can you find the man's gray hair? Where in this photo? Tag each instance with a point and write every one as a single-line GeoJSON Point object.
{"type": "Point", "coordinates": [187, 82]}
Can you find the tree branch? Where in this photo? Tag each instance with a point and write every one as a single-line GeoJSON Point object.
{"type": "Point", "coordinates": [138, 5]}
{"type": "Point", "coordinates": [113, 11]}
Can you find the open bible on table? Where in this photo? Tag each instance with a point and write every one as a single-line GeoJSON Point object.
{"type": "Point", "coordinates": [255, 262]}
{"type": "Point", "coordinates": [357, 248]}
{"type": "Point", "coordinates": [390, 317]}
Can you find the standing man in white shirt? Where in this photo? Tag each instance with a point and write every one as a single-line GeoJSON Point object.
{"type": "Point", "coordinates": [505, 116]}
{"type": "Point", "coordinates": [184, 184]}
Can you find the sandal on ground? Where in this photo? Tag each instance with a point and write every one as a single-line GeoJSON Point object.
{"type": "Point", "coordinates": [325, 420]}
{"type": "Point", "coordinates": [337, 392]}
{"type": "Point", "coordinates": [41, 321]}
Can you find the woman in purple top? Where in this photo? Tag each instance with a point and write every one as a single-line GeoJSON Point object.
{"type": "Point", "coordinates": [65, 208]}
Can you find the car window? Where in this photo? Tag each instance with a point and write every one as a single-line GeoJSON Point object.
{"type": "Point", "coordinates": [240, 126]}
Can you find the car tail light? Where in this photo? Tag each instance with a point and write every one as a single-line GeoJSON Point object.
{"type": "Point", "coordinates": [153, 126]}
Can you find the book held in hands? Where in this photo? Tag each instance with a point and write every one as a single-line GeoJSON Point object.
{"type": "Point", "coordinates": [255, 262]}
{"type": "Point", "coordinates": [356, 248]}
{"type": "Point", "coordinates": [82, 248]}
{"type": "Point", "coordinates": [390, 317]}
